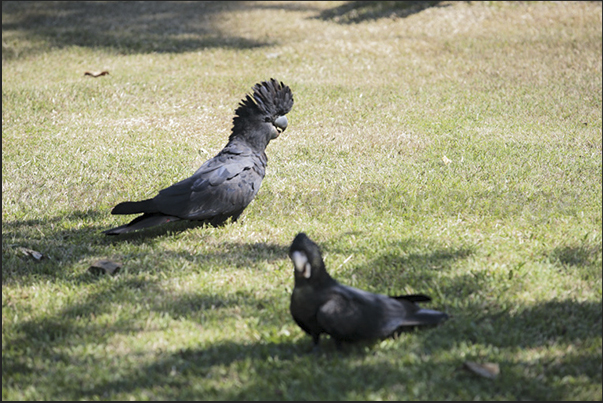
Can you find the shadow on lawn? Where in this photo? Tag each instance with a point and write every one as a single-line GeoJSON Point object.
{"type": "Point", "coordinates": [70, 337]}
{"type": "Point", "coordinates": [583, 259]}
{"type": "Point", "coordinates": [272, 371]}
{"type": "Point", "coordinates": [276, 367]}
{"type": "Point", "coordinates": [353, 12]}
{"type": "Point", "coordinates": [77, 239]}
{"type": "Point", "coordinates": [62, 240]}
{"type": "Point", "coordinates": [281, 369]}
{"type": "Point", "coordinates": [174, 27]}
{"type": "Point", "coordinates": [127, 27]}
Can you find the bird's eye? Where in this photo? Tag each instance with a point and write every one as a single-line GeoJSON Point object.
{"type": "Point", "coordinates": [267, 119]}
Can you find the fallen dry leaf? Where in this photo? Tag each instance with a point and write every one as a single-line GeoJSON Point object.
{"type": "Point", "coordinates": [487, 369]}
{"type": "Point", "coordinates": [96, 73]}
{"type": "Point", "coordinates": [30, 252]}
{"type": "Point", "coordinates": [104, 267]}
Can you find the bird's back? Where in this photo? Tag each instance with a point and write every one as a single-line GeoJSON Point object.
{"type": "Point", "coordinates": [222, 187]}
{"type": "Point", "coordinates": [357, 314]}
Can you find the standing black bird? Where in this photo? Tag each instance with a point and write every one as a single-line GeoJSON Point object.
{"type": "Point", "coordinates": [319, 304]}
{"type": "Point", "coordinates": [224, 185]}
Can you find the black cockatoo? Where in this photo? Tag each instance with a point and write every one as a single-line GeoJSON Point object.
{"type": "Point", "coordinates": [224, 185]}
{"type": "Point", "coordinates": [319, 304]}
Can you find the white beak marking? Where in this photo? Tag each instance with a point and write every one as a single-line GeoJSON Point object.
{"type": "Point", "coordinates": [308, 271]}
{"type": "Point", "coordinates": [300, 261]}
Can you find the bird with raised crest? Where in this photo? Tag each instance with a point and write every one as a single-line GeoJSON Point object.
{"type": "Point", "coordinates": [225, 184]}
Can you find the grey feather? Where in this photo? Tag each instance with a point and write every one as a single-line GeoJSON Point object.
{"type": "Point", "coordinates": [319, 304]}
{"type": "Point", "coordinates": [224, 185]}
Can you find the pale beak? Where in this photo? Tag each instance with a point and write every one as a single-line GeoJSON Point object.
{"type": "Point", "coordinates": [281, 124]}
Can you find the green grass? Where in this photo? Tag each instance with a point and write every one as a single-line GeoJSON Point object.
{"type": "Point", "coordinates": [506, 237]}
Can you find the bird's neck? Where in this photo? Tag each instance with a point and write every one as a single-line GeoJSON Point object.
{"type": "Point", "coordinates": [321, 280]}
{"type": "Point", "coordinates": [256, 143]}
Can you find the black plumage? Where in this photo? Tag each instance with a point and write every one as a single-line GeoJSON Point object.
{"type": "Point", "coordinates": [224, 185]}
{"type": "Point", "coordinates": [319, 304]}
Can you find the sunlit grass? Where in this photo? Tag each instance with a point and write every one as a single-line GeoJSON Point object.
{"type": "Point", "coordinates": [452, 150]}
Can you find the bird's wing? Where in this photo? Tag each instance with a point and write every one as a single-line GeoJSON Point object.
{"type": "Point", "coordinates": [354, 314]}
{"type": "Point", "coordinates": [340, 317]}
{"type": "Point", "coordinates": [223, 185]}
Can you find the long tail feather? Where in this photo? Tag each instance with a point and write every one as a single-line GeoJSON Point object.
{"type": "Point", "coordinates": [413, 298]}
{"type": "Point", "coordinates": [429, 316]}
{"type": "Point", "coordinates": [137, 207]}
{"type": "Point", "coordinates": [144, 221]}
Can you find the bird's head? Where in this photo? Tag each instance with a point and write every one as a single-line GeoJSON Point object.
{"type": "Point", "coordinates": [260, 117]}
{"type": "Point", "coordinates": [307, 260]}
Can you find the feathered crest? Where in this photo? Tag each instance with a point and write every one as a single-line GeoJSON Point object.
{"type": "Point", "coordinates": [270, 99]}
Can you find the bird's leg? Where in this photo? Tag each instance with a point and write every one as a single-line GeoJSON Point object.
{"type": "Point", "coordinates": [316, 341]}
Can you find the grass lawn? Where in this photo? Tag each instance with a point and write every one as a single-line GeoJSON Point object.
{"type": "Point", "coordinates": [451, 149]}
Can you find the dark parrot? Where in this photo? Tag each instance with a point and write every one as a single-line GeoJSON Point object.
{"type": "Point", "coordinates": [319, 304]}
{"type": "Point", "coordinates": [224, 185]}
